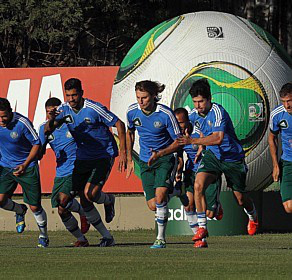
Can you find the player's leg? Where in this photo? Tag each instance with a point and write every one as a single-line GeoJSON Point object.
{"type": "Point", "coordinates": [93, 189]}
{"type": "Point", "coordinates": [30, 183]}
{"type": "Point", "coordinates": [285, 185]}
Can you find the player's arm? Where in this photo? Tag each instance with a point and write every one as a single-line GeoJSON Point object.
{"type": "Point", "coordinates": [122, 139]}
{"type": "Point", "coordinates": [130, 139]}
{"type": "Point", "coordinates": [215, 138]}
{"type": "Point", "coordinates": [56, 120]}
{"type": "Point", "coordinates": [180, 166]}
{"type": "Point", "coordinates": [273, 145]}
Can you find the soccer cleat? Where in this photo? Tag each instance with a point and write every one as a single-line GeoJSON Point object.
{"type": "Point", "coordinates": [20, 223]}
{"type": "Point", "coordinates": [200, 234]}
{"type": "Point", "coordinates": [201, 244]}
{"type": "Point", "coordinates": [43, 242]}
{"type": "Point", "coordinates": [79, 243]}
{"type": "Point", "coordinates": [252, 227]}
{"type": "Point", "coordinates": [84, 224]}
{"type": "Point", "coordinates": [107, 242]}
{"type": "Point", "coordinates": [110, 209]}
{"type": "Point", "coordinates": [219, 212]}
{"type": "Point", "coordinates": [158, 244]}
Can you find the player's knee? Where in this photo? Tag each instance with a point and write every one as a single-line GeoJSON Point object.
{"type": "Point", "coordinates": [63, 201]}
{"type": "Point", "coordinates": [35, 209]}
{"type": "Point", "coordinates": [198, 188]}
{"type": "Point", "coordinates": [288, 207]}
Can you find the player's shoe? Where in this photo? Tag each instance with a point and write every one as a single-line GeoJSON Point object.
{"type": "Point", "coordinates": [158, 244]}
{"type": "Point", "coordinates": [219, 212]}
{"type": "Point", "coordinates": [43, 242]}
{"type": "Point", "coordinates": [201, 244]}
{"type": "Point", "coordinates": [107, 242]}
{"type": "Point", "coordinates": [20, 223]}
{"type": "Point", "coordinates": [110, 209]}
{"type": "Point", "coordinates": [84, 224]}
{"type": "Point", "coordinates": [79, 243]}
{"type": "Point", "coordinates": [252, 227]}
{"type": "Point", "coordinates": [179, 186]}
{"type": "Point", "coordinates": [200, 234]}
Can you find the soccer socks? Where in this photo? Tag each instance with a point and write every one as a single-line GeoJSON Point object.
{"type": "Point", "coordinates": [41, 219]}
{"type": "Point", "coordinates": [12, 206]}
{"type": "Point", "coordinates": [71, 225]}
{"type": "Point", "coordinates": [102, 198]}
{"type": "Point", "coordinates": [202, 220]}
{"type": "Point", "coordinates": [252, 215]}
{"type": "Point", "coordinates": [74, 206]}
{"type": "Point", "coordinates": [161, 219]}
{"type": "Point", "coordinates": [93, 217]}
{"type": "Point", "coordinates": [192, 220]}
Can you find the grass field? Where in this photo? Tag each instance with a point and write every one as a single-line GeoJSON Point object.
{"type": "Point", "coordinates": [264, 256]}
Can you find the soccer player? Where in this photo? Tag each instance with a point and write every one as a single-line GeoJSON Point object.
{"type": "Point", "coordinates": [88, 122]}
{"type": "Point", "coordinates": [19, 146]}
{"type": "Point", "coordinates": [224, 154]}
{"type": "Point", "coordinates": [157, 128]}
{"type": "Point", "coordinates": [281, 122]}
{"type": "Point", "coordinates": [64, 147]}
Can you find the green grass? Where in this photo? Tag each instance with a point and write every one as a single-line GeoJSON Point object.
{"type": "Point", "coordinates": [264, 256]}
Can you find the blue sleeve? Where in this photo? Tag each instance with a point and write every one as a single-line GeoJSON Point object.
{"type": "Point", "coordinates": [30, 133]}
{"type": "Point", "coordinates": [274, 123]}
{"type": "Point", "coordinates": [42, 134]}
{"type": "Point", "coordinates": [130, 122]}
{"type": "Point", "coordinates": [172, 126]}
{"type": "Point", "coordinates": [219, 119]}
{"type": "Point", "coordinates": [106, 116]}
{"type": "Point", "coordinates": [62, 113]}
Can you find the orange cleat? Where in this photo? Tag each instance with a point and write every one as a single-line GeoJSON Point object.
{"type": "Point", "coordinates": [84, 224]}
{"type": "Point", "coordinates": [219, 214]}
{"type": "Point", "coordinates": [252, 227]}
{"type": "Point", "coordinates": [79, 243]}
{"type": "Point", "coordinates": [200, 234]}
{"type": "Point", "coordinates": [201, 244]}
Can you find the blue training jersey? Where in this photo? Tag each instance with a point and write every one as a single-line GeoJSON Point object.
{"type": "Point", "coordinates": [218, 119]}
{"type": "Point", "coordinates": [64, 147]}
{"type": "Point", "coordinates": [281, 122]}
{"type": "Point", "coordinates": [191, 151]}
{"type": "Point", "coordinates": [16, 141]}
{"type": "Point", "coordinates": [156, 131]}
{"type": "Point", "coordinates": [90, 130]}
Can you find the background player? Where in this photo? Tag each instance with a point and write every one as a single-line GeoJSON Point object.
{"type": "Point", "coordinates": [157, 128]}
{"type": "Point", "coordinates": [88, 122]}
{"type": "Point", "coordinates": [64, 147]}
{"type": "Point", "coordinates": [19, 147]}
{"type": "Point", "coordinates": [281, 122]}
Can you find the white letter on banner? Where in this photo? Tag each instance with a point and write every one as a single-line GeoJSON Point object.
{"type": "Point", "coordinates": [18, 95]}
{"type": "Point", "coordinates": [51, 86]}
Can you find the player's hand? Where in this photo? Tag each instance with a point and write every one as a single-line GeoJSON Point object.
{"type": "Point", "coordinates": [185, 139]}
{"type": "Point", "coordinates": [199, 154]}
{"type": "Point", "coordinates": [178, 177]}
{"type": "Point", "coordinates": [154, 157]}
{"type": "Point", "coordinates": [53, 113]}
{"type": "Point", "coordinates": [276, 173]}
{"type": "Point", "coordinates": [19, 170]}
{"type": "Point", "coordinates": [130, 168]}
{"type": "Point", "coordinates": [122, 162]}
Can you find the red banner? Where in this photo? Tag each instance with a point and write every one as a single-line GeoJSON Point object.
{"type": "Point", "coordinates": [27, 89]}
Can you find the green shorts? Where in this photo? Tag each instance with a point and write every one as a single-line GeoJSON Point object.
{"type": "Point", "coordinates": [211, 193]}
{"type": "Point", "coordinates": [235, 172]}
{"type": "Point", "coordinates": [91, 171]}
{"type": "Point", "coordinates": [63, 185]}
{"type": "Point", "coordinates": [29, 181]}
{"type": "Point", "coordinates": [286, 180]}
{"type": "Point", "coordinates": [160, 174]}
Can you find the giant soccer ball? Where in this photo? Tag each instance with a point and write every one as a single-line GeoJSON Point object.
{"type": "Point", "coordinates": [244, 64]}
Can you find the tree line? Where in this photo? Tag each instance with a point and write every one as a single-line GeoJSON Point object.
{"type": "Point", "coordinates": [49, 33]}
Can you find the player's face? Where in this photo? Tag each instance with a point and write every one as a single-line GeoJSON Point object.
{"type": "Point", "coordinates": [51, 112]}
{"type": "Point", "coordinates": [202, 104]}
{"type": "Point", "coordinates": [74, 98]}
{"type": "Point", "coordinates": [183, 122]}
{"type": "Point", "coordinates": [5, 118]}
{"type": "Point", "coordinates": [145, 100]}
{"type": "Point", "coordinates": [287, 102]}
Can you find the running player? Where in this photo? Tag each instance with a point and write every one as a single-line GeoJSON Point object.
{"type": "Point", "coordinates": [64, 147]}
{"type": "Point", "coordinates": [88, 122]}
{"type": "Point", "coordinates": [224, 154]}
{"type": "Point", "coordinates": [157, 128]}
{"type": "Point", "coordinates": [281, 122]}
{"type": "Point", "coordinates": [19, 146]}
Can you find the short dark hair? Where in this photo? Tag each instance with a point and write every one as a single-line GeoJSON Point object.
{"type": "Point", "coordinates": [53, 101]}
{"type": "Point", "coordinates": [285, 90]}
{"type": "Point", "coordinates": [5, 105]}
{"type": "Point", "coordinates": [201, 87]}
{"type": "Point", "coordinates": [73, 83]}
{"type": "Point", "coordinates": [154, 88]}
{"type": "Point", "coordinates": [183, 111]}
